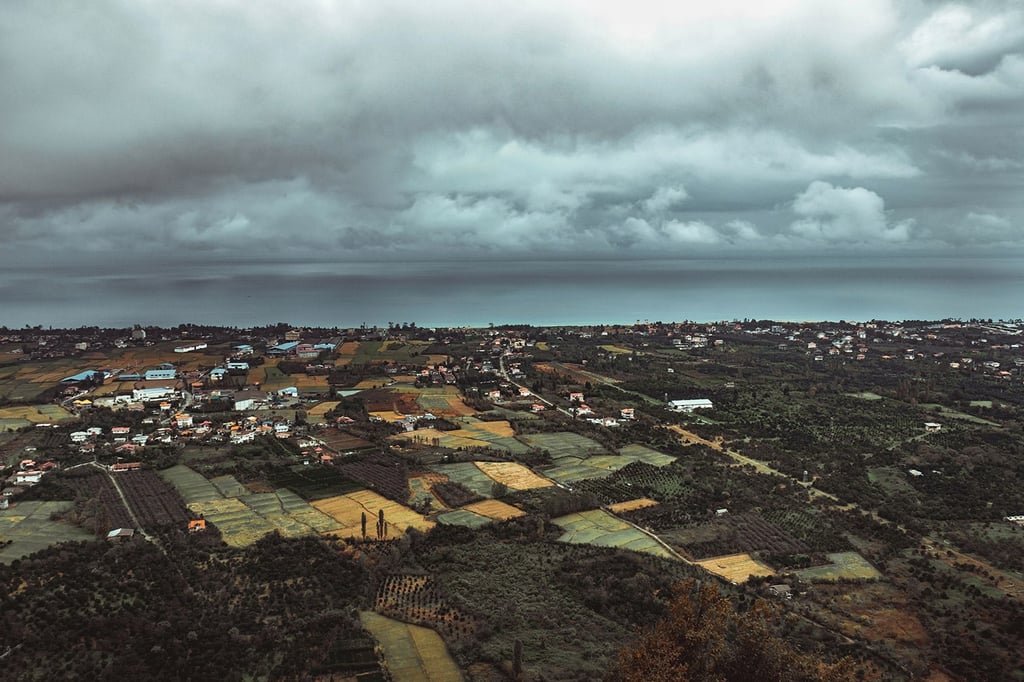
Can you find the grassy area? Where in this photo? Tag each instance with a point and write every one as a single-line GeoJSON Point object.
{"type": "Point", "coordinates": [848, 565]}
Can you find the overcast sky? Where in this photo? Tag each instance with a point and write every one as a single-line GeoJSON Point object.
{"type": "Point", "coordinates": [330, 131]}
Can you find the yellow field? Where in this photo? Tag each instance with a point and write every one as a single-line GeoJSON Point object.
{"type": "Point", "coordinates": [348, 509]}
{"type": "Point", "coordinates": [322, 408]}
{"type": "Point", "coordinates": [411, 653]}
{"type": "Point", "coordinates": [369, 383]}
{"type": "Point", "coordinates": [503, 429]}
{"type": "Point", "coordinates": [391, 416]}
{"type": "Point", "coordinates": [619, 350]}
{"type": "Point", "coordinates": [37, 414]}
{"type": "Point", "coordinates": [495, 509]}
{"type": "Point", "coordinates": [736, 568]}
{"type": "Point", "coordinates": [631, 505]}
{"type": "Point", "coordinates": [515, 476]}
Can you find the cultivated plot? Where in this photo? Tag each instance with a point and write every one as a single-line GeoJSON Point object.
{"type": "Point", "coordinates": [191, 485]}
{"type": "Point", "coordinates": [848, 565]}
{"type": "Point", "coordinates": [598, 527]}
{"type": "Point", "coordinates": [461, 517]}
{"type": "Point", "coordinates": [632, 505]}
{"type": "Point", "coordinates": [736, 568]}
{"type": "Point", "coordinates": [565, 447]}
{"type": "Point", "coordinates": [348, 511]}
{"type": "Point", "coordinates": [514, 475]}
{"type": "Point", "coordinates": [412, 653]}
{"type": "Point", "coordinates": [29, 528]}
{"type": "Point", "coordinates": [495, 509]}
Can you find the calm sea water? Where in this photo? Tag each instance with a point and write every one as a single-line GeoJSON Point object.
{"type": "Point", "coordinates": [543, 293]}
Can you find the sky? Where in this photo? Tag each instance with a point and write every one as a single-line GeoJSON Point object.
{"type": "Point", "coordinates": [222, 133]}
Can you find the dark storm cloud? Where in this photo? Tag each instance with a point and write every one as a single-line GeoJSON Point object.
{"type": "Point", "coordinates": [341, 130]}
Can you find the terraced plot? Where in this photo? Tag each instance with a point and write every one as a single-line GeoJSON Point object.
{"type": "Point", "coordinates": [598, 527]}
{"type": "Point", "coordinates": [29, 528]}
{"type": "Point", "coordinates": [411, 653]}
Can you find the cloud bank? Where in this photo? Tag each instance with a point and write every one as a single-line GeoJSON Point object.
{"type": "Point", "coordinates": [231, 131]}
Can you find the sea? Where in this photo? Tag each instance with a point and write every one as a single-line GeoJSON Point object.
{"type": "Point", "coordinates": [537, 292]}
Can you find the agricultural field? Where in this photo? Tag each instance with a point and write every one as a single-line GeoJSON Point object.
{"type": "Point", "coordinates": [842, 566]}
{"type": "Point", "coordinates": [473, 433]}
{"type": "Point", "coordinates": [598, 527]}
{"type": "Point", "coordinates": [514, 475]}
{"type": "Point", "coordinates": [348, 509]}
{"type": "Point", "coordinates": [734, 533]}
{"type": "Point", "coordinates": [565, 447]}
{"type": "Point", "coordinates": [495, 509]}
{"type": "Point", "coordinates": [245, 517]}
{"type": "Point", "coordinates": [37, 414]}
{"type": "Point", "coordinates": [154, 502]}
{"type": "Point", "coordinates": [29, 528]}
{"type": "Point", "coordinates": [411, 653]}
{"type": "Point", "coordinates": [569, 470]}
{"type": "Point", "coordinates": [191, 485]}
{"type": "Point", "coordinates": [311, 482]}
{"type": "Point", "coordinates": [736, 568]}
{"type": "Point", "coordinates": [342, 441]}
{"type": "Point", "coordinates": [461, 517]}
{"type": "Point", "coordinates": [418, 599]}
{"type": "Point", "coordinates": [632, 505]}
{"type": "Point", "coordinates": [317, 412]}
{"type": "Point", "coordinates": [387, 476]}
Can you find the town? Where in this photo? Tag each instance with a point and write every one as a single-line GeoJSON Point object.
{"type": "Point", "coordinates": [862, 477]}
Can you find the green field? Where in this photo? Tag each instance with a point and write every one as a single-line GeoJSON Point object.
{"type": "Point", "coordinates": [848, 565]}
{"type": "Point", "coordinates": [29, 528]}
{"type": "Point", "coordinates": [468, 474]}
{"type": "Point", "coordinates": [411, 653]}
{"type": "Point", "coordinates": [598, 527]}
{"type": "Point", "coordinates": [565, 445]}
{"type": "Point", "coordinates": [244, 517]}
{"type": "Point", "coordinates": [461, 517]}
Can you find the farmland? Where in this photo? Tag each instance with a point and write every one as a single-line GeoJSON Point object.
{"type": "Point", "coordinates": [411, 652]}
{"type": "Point", "coordinates": [472, 433]}
{"type": "Point", "coordinates": [736, 568]}
{"type": "Point", "coordinates": [347, 511]}
{"type": "Point", "coordinates": [841, 566]}
{"type": "Point", "coordinates": [244, 517]}
{"type": "Point", "coordinates": [418, 599]}
{"type": "Point", "coordinates": [602, 529]}
{"type": "Point", "coordinates": [29, 529]}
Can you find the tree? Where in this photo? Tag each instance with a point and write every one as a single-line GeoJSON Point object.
{"type": "Point", "coordinates": [704, 639]}
{"type": "Point", "coordinates": [362, 521]}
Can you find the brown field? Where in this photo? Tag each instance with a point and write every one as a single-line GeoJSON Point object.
{"type": "Point", "coordinates": [370, 383]}
{"type": "Point", "coordinates": [349, 348]}
{"type": "Point", "coordinates": [391, 416]}
{"type": "Point", "coordinates": [631, 505]}
{"type": "Point", "coordinates": [381, 400]}
{"type": "Point", "coordinates": [342, 440]}
{"type": "Point", "coordinates": [877, 612]}
{"type": "Point", "coordinates": [495, 509]}
{"type": "Point", "coordinates": [348, 510]}
{"type": "Point", "coordinates": [736, 568]}
{"type": "Point", "coordinates": [515, 476]}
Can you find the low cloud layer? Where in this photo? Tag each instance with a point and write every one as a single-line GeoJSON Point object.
{"type": "Point", "coordinates": [226, 131]}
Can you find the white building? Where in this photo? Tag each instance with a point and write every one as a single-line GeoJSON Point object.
{"type": "Point", "coordinates": [690, 405]}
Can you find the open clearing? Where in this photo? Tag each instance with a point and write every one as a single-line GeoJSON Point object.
{"type": "Point", "coordinates": [848, 565]}
{"type": "Point", "coordinates": [348, 509]}
{"type": "Point", "coordinates": [412, 653]}
{"type": "Point", "coordinates": [29, 528]}
{"type": "Point", "coordinates": [736, 568]}
{"type": "Point", "coordinates": [598, 527]}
